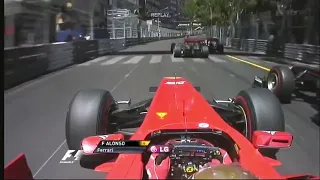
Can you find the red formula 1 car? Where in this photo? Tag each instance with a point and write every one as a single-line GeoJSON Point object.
{"type": "Point", "coordinates": [244, 129]}
{"type": "Point", "coordinates": [191, 47]}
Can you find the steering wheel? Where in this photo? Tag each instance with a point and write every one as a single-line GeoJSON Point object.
{"type": "Point", "coordinates": [188, 158]}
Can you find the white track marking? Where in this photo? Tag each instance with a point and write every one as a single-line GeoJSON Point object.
{"type": "Point", "coordinates": [113, 60]}
{"type": "Point", "coordinates": [176, 59]}
{"type": "Point", "coordinates": [134, 60]}
{"type": "Point", "coordinates": [217, 60]}
{"type": "Point", "coordinates": [198, 60]}
{"type": "Point", "coordinates": [99, 59]}
{"type": "Point", "coordinates": [155, 59]}
{"type": "Point", "coordinates": [41, 167]}
{"type": "Point", "coordinates": [50, 157]}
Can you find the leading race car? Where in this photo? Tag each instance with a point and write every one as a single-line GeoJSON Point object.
{"type": "Point", "coordinates": [242, 130]}
{"type": "Point", "coordinates": [192, 47]}
{"type": "Point", "coordinates": [214, 45]}
{"type": "Point", "coordinates": [286, 81]}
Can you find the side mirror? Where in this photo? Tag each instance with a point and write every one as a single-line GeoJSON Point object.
{"type": "Point", "coordinates": [89, 144]}
{"type": "Point", "coordinates": [271, 139]}
{"type": "Point", "coordinates": [98, 161]}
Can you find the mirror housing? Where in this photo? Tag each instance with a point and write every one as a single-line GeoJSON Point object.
{"type": "Point", "coordinates": [89, 144]}
{"type": "Point", "coordinates": [271, 139]}
{"type": "Point", "coordinates": [98, 161]}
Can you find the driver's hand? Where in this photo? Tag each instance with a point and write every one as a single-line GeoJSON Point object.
{"type": "Point", "coordinates": [230, 171]}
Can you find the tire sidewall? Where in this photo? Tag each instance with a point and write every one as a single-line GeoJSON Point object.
{"type": "Point", "coordinates": [262, 110]}
{"type": "Point", "coordinates": [251, 123]}
{"type": "Point", "coordinates": [99, 118]}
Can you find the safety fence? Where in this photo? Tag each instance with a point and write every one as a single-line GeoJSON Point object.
{"type": "Point", "coordinates": [24, 63]}
{"type": "Point", "coordinates": [300, 52]}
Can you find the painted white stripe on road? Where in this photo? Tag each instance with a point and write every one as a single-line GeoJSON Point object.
{"type": "Point", "coordinates": [155, 59]}
{"type": "Point", "coordinates": [134, 60]}
{"type": "Point", "coordinates": [217, 60]}
{"type": "Point", "coordinates": [176, 59]}
{"type": "Point", "coordinates": [113, 60]}
{"type": "Point", "coordinates": [198, 60]}
{"type": "Point", "coordinates": [99, 59]}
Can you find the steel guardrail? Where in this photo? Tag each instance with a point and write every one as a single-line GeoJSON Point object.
{"type": "Point", "coordinates": [25, 63]}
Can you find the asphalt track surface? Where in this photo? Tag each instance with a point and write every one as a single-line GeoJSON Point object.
{"type": "Point", "coordinates": [35, 111]}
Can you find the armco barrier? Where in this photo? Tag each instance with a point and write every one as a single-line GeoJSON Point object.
{"type": "Point", "coordinates": [60, 55]}
{"type": "Point", "coordinates": [85, 50]}
{"type": "Point", "coordinates": [299, 52]}
{"type": "Point", "coordinates": [24, 63]}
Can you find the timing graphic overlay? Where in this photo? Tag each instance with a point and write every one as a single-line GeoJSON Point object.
{"type": "Point", "coordinates": [129, 147]}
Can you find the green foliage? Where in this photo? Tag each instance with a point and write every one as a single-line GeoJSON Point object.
{"type": "Point", "coordinates": [223, 12]}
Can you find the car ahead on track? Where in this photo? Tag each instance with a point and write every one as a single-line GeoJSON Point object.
{"type": "Point", "coordinates": [177, 116]}
{"type": "Point", "coordinates": [286, 81]}
{"type": "Point", "coordinates": [191, 47]}
{"type": "Point", "coordinates": [214, 45]}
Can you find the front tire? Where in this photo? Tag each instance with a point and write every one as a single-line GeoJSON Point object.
{"type": "Point", "coordinates": [205, 52]}
{"type": "Point", "coordinates": [262, 111]}
{"type": "Point", "coordinates": [88, 115]}
{"type": "Point", "coordinates": [281, 81]}
{"type": "Point", "coordinates": [220, 49]}
{"type": "Point", "coordinates": [177, 51]}
{"type": "Point", "coordinates": [172, 47]}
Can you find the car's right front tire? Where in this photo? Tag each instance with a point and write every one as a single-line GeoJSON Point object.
{"type": "Point", "coordinates": [262, 111]}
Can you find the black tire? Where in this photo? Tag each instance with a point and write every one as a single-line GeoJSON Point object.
{"type": "Point", "coordinates": [220, 49]}
{"type": "Point", "coordinates": [172, 47]}
{"type": "Point", "coordinates": [177, 51]}
{"type": "Point", "coordinates": [205, 52]}
{"type": "Point", "coordinates": [318, 90]}
{"type": "Point", "coordinates": [262, 111]}
{"type": "Point", "coordinates": [88, 116]}
{"type": "Point", "coordinates": [284, 83]}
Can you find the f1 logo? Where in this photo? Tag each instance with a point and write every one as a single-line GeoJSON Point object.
{"type": "Point", "coordinates": [73, 155]}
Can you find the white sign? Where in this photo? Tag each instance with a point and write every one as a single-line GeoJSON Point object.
{"type": "Point", "coordinates": [196, 24]}
{"type": "Point", "coordinates": [183, 24]}
{"type": "Point", "coordinates": [162, 15]}
{"type": "Point", "coordinates": [177, 82]}
{"type": "Point", "coordinates": [71, 156]}
{"type": "Point", "coordinates": [149, 22]}
{"type": "Point", "coordinates": [203, 125]}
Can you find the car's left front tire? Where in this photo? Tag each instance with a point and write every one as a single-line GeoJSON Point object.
{"type": "Point", "coordinates": [88, 115]}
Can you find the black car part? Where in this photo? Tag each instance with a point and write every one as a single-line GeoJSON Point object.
{"type": "Point", "coordinates": [191, 50]}
{"type": "Point", "coordinates": [285, 81]}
